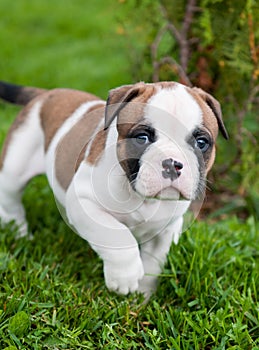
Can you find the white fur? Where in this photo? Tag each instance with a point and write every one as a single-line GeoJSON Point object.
{"type": "Point", "coordinates": [174, 114]}
{"type": "Point", "coordinates": [115, 220]}
{"type": "Point", "coordinates": [115, 232]}
{"type": "Point", "coordinates": [176, 102]}
{"type": "Point", "coordinates": [24, 159]}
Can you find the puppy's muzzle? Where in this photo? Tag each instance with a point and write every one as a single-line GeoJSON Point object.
{"type": "Point", "coordinates": [171, 169]}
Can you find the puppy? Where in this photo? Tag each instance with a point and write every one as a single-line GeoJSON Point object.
{"type": "Point", "coordinates": [125, 171]}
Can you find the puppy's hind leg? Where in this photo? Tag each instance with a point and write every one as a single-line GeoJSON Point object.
{"type": "Point", "coordinates": [22, 158]}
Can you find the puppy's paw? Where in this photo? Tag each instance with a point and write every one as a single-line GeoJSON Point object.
{"type": "Point", "coordinates": [16, 214]}
{"type": "Point", "coordinates": [20, 223]}
{"type": "Point", "coordinates": [123, 276]}
{"type": "Point", "coordinates": [148, 286]}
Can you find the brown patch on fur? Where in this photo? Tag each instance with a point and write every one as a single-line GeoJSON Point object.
{"type": "Point", "coordinates": [209, 122]}
{"type": "Point", "coordinates": [166, 84]}
{"type": "Point", "coordinates": [81, 156]}
{"type": "Point", "coordinates": [125, 155]}
{"type": "Point", "coordinates": [209, 118]}
{"type": "Point", "coordinates": [58, 106]}
{"type": "Point", "coordinates": [71, 149]}
{"type": "Point", "coordinates": [128, 103]}
{"type": "Point", "coordinates": [133, 112]}
{"type": "Point", "coordinates": [97, 147]}
{"type": "Point", "coordinates": [130, 116]}
{"type": "Point", "coordinates": [119, 99]}
{"type": "Point", "coordinates": [211, 159]}
{"type": "Point", "coordinates": [214, 107]}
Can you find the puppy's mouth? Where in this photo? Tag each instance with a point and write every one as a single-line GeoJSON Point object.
{"type": "Point", "coordinates": [170, 193]}
{"type": "Point", "coordinates": [167, 193]}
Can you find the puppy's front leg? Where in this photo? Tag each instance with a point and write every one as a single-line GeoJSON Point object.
{"type": "Point", "coordinates": [154, 253]}
{"type": "Point", "coordinates": [112, 241]}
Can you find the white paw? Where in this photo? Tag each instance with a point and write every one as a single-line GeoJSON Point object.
{"type": "Point", "coordinates": [123, 277]}
{"type": "Point", "coordinates": [22, 231]}
{"type": "Point", "coordinates": [18, 217]}
{"type": "Point", "coordinates": [148, 286]}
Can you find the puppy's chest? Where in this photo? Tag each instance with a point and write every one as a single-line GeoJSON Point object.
{"type": "Point", "coordinates": [152, 217]}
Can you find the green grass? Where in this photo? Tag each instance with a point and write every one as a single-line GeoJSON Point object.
{"type": "Point", "coordinates": [52, 292]}
{"type": "Point", "coordinates": [207, 298]}
{"type": "Point", "coordinates": [63, 43]}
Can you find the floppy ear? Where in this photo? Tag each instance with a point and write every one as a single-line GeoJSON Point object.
{"type": "Point", "coordinates": [118, 98]}
{"type": "Point", "coordinates": [216, 109]}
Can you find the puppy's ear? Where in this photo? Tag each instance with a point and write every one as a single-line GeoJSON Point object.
{"type": "Point", "coordinates": [216, 109]}
{"type": "Point", "coordinates": [118, 98]}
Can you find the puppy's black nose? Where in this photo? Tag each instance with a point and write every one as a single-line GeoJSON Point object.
{"type": "Point", "coordinates": [171, 169]}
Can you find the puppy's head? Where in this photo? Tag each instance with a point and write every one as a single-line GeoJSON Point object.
{"type": "Point", "coordinates": [166, 137]}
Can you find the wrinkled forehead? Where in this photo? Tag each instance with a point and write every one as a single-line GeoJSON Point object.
{"type": "Point", "coordinates": [174, 111]}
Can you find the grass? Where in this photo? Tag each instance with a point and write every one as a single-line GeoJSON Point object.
{"type": "Point", "coordinates": [63, 43]}
{"type": "Point", "coordinates": [207, 298]}
{"type": "Point", "coordinates": [52, 292]}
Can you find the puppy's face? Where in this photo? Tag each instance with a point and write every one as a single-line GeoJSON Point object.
{"type": "Point", "coordinates": [166, 137]}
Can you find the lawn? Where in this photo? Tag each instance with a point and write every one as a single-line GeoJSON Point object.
{"type": "Point", "coordinates": [52, 292]}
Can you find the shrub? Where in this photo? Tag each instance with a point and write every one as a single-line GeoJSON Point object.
{"type": "Point", "coordinates": [213, 44]}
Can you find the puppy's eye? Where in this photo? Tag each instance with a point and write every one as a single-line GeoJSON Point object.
{"type": "Point", "coordinates": [142, 138]}
{"type": "Point", "coordinates": [202, 143]}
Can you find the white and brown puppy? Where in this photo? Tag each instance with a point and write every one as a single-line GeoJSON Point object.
{"type": "Point", "coordinates": [125, 171]}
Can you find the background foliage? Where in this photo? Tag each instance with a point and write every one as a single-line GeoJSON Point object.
{"type": "Point", "coordinates": [213, 44]}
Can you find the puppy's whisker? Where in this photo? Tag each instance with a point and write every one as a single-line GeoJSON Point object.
{"type": "Point", "coordinates": [208, 181]}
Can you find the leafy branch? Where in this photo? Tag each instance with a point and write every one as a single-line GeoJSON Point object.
{"type": "Point", "coordinates": [182, 38]}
